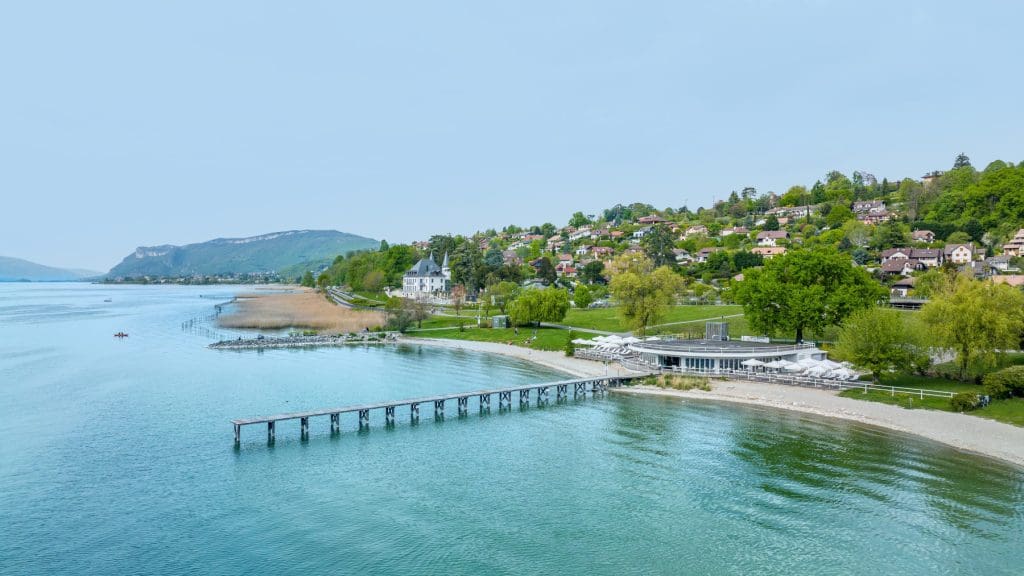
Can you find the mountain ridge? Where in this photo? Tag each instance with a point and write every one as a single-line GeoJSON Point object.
{"type": "Point", "coordinates": [268, 253]}
{"type": "Point", "coordinates": [20, 270]}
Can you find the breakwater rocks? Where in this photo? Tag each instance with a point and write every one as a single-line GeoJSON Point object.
{"type": "Point", "coordinates": [263, 342]}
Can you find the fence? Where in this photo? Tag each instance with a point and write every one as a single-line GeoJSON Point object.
{"type": "Point", "coordinates": [791, 380]}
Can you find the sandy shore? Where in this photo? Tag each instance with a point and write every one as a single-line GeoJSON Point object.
{"type": "Point", "coordinates": [971, 433]}
{"type": "Point", "coordinates": [555, 360]}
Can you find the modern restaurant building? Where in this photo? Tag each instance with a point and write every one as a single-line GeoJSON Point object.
{"type": "Point", "coordinates": [715, 353]}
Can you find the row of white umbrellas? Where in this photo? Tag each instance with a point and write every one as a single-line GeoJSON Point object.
{"type": "Point", "coordinates": [807, 366]}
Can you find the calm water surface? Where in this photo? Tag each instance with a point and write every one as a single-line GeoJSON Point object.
{"type": "Point", "coordinates": [117, 458]}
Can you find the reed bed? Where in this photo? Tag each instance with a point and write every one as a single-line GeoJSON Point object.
{"type": "Point", "coordinates": [303, 310]}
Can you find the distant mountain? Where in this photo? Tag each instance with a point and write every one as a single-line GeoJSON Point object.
{"type": "Point", "coordinates": [274, 252]}
{"type": "Point", "coordinates": [18, 270]}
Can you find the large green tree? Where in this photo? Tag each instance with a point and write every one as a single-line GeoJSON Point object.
{"type": "Point", "coordinates": [643, 297]}
{"type": "Point", "coordinates": [976, 319]}
{"type": "Point", "coordinates": [879, 340]}
{"type": "Point", "coordinates": [658, 245]}
{"type": "Point", "coordinates": [539, 305]}
{"type": "Point", "coordinates": [805, 290]}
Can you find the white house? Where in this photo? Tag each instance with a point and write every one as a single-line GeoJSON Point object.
{"type": "Point", "coordinates": [959, 253]}
{"type": "Point", "coordinates": [426, 278]}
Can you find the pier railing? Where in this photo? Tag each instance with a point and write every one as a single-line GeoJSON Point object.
{"type": "Point", "coordinates": [541, 392]}
{"type": "Point", "coordinates": [794, 380]}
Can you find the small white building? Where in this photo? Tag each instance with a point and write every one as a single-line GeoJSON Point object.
{"type": "Point", "coordinates": [426, 278]}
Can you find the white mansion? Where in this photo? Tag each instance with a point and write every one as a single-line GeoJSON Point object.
{"type": "Point", "coordinates": [426, 278]}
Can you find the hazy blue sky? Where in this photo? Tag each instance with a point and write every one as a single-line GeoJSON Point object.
{"type": "Point", "coordinates": [141, 123]}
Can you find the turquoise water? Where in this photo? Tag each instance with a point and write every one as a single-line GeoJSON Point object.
{"type": "Point", "coordinates": [117, 458]}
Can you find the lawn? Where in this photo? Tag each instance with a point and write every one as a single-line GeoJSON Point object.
{"type": "Point", "coordinates": [1010, 411]}
{"type": "Point", "coordinates": [610, 319]}
{"type": "Point", "coordinates": [546, 338]}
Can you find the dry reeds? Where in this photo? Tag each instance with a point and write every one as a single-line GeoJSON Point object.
{"type": "Point", "coordinates": [305, 310]}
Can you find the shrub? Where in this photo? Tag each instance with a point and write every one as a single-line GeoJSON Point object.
{"type": "Point", "coordinates": [1005, 383]}
{"type": "Point", "coordinates": [964, 401]}
{"type": "Point", "coordinates": [679, 382]}
{"type": "Point", "coordinates": [570, 348]}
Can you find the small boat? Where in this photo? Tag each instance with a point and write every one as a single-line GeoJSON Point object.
{"type": "Point", "coordinates": [108, 300]}
{"type": "Point", "coordinates": [121, 335]}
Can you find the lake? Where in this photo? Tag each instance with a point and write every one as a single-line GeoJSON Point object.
{"type": "Point", "coordinates": [118, 458]}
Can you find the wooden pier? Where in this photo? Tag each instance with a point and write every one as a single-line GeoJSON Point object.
{"type": "Point", "coordinates": [542, 392]}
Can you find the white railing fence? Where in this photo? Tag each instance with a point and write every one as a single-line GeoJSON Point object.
{"type": "Point", "coordinates": [790, 380]}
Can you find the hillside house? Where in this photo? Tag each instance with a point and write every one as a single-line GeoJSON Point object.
{"type": "Point", "coordinates": [901, 288]}
{"type": "Point", "coordinates": [874, 218]}
{"type": "Point", "coordinates": [652, 219]}
{"type": "Point", "coordinates": [704, 253]}
{"type": "Point", "coordinates": [901, 267]}
{"type": "Point", "coordinates": [771, 237]}
{"type": "Point", "coordinates": [923, 236]}
{"type": "Point", "coordinates": [768, 252]}
{"type": "Point", "coordinates": [734, 230]}
{"type": "Point", "coordinates": [642, 232]}
{"type": "Point", "coordinates": [694, 231]}
{"type": "Point", "coordinates": [1001, 264]}
{"type": "Point", "coordinates": [868, 206]}
{"type": "Point", "coordinates": [682, 255]}
{"type": "Point", "coordinates": [958, 253]}
{"type": "Point", "coordinates": [1015, 247]}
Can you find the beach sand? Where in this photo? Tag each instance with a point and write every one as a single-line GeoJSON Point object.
{"type": "Point", "coordinates": [970, 433]}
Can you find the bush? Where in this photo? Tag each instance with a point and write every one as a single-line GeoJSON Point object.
{"type": "Point", "coordinates": [964, 402]}
{"type": "Point", "coordinates": [570, 348]}
{"type": "Point", "coordinates": [678, 382]}
{"type": "Point", "coordinates": [1005, 383]}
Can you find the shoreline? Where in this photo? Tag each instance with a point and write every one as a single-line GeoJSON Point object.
{"type": "Point", "coordinates": [555, 360]}
{"type": "Point", "coordinates": [981, 436]}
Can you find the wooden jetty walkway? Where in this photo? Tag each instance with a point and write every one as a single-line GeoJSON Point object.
{"type": "Point", "coordinates": [580, 387]}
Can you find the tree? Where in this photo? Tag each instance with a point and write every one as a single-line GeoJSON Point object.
{"type": "Point", "coordinates": [579, 219]}
{"type": "Point", "coordinates": [962, 161]}
{"type": "Point", "coordinates": [875, 339]}
{"type": "Point", "coordinates": [644, 297]}
{"type": "Point", "coordinates": [399, 318]}
{"type": "Point", "coordinates": [373, 281]}
{"type": "Point", "coordinates": [458, 298]}
{"type": "Point", "coordinates": [976, 319]}
{"type": "Point", "coordinates": [582, 297]}
{"type": "Point", "coordinates": [307, 279]}
{"type": "Point", "coordinates": [546, 271]}
{"type": "Point", "coordinates": [805, 290]}
{"type": "Point", "coordinates": [838, 215]}
{"type": "Point", "coordinates": [592, 272]}
{"type": "Point", "coordinates": [795, 196]}
{"type": "Point", "coordinates": [744, 259]}
{"type": "Point", "coordinates": [501, 294]}
{"type": "Point", "coordinates": [658, 245]}
{"type": "Point", "coordinates": [771, 223]}
{"type": "Point", "coordinates": [536, 306]}
{"type": "Point", "coordinates": [570, 346]}
{"type": "Point", "coordinates": [323, 280]}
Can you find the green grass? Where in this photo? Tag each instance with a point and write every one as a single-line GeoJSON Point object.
{"type": "Point", "coordinates": [610, 319]}
{"type": "Point", "coordinates": [449, 321]}
{"type": "Point", "coordinates": [547, 338]}
{"type": "Point", "coordinates": [1010, 411]}
{"type": "Point", "coordinates": [974, 370]}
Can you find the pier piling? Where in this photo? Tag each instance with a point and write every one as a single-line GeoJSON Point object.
{"type": "Point", "coordinates": [595, 386]}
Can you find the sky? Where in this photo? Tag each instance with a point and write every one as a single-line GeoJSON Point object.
{"type": "Point", "coordinates": [127, 124]}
